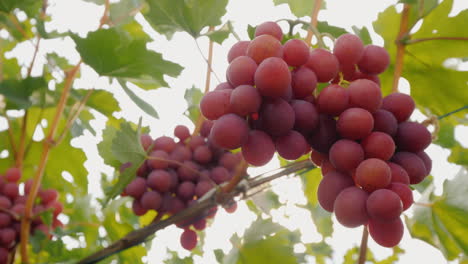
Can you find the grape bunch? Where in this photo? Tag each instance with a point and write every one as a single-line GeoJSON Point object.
{"type": "Point", "coordinates": [12, 207]}
{"type": "Point", "coordinates": [365, 144]}
{"type": "Point", "coordinates": [178, 173]}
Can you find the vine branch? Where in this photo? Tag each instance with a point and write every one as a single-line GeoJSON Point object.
{"type": "Point", "coordinates": [313, 21]}
{"type": "Point", "coordinates": [26, 220]}
{"type": "Point", "coordinates": [139, 236]}
{"type": "Point", "coordinates": [404, 29]}
{"type": "Point", "coordinates": [363, 247]}
{"type": "Point", "coordinates": [209, 62]}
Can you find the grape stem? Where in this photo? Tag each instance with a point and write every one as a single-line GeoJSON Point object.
{"type": "Point", "coordinates": [139, 236]}
{"type": "Point", "coordinates": [209, 62]}
{"type": "Point", "coordinates": [363, 247]}
{"type": "Point", "coordinates": [313, 22]}
{"type": "Point", "coordinates": [402, 34]}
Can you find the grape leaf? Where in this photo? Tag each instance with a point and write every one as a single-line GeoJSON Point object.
{"type": "Point", "coordinates": [100, 100]}
{"type": "Point", "coordinates": [311, 181]}
{"type": "Point", "coordinates": [220, 34]}
{"type": "Point", "coordinates": [193, 97]}
{"type": "Point", "coordinates": [443, 223]}
{"type": "Point", "coordinates": [114, 53]}
{"type": "Point", "coordinates": [191, 16]}
{"type": "Point", "coordinates": [18, 92]}
{"type": "Point", "coordinates": [363, 34]}
{"type": "Point", "coordinates": [120, 12]}
{"type": "Point", "coordinates": [299, 8]}
{"type": "Point", "coordinates": [146, 107]}
{"type": "Point", "coordinates": [324, 27]}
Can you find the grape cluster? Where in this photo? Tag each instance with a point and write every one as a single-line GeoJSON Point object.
{"type": "Point", "coordinates": [12, 207]}
{"type": "Point", "coordinates": [367, 148]}
{"type": "Point", "coordinates": [177, 173]}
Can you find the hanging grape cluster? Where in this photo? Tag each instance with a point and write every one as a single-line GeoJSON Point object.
{"type": "Point", "coordinates": [12, 208]}
{"type": "Point", "coordinates": [178, 173]}
{"type": "Point", "coordinates": [365, 144]}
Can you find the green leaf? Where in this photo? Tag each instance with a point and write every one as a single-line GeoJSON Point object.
{"type": "Point", "coordinates": [320, 251]}
{"type": "Point", "coordinates": [324, 27]}
{"type": "Point", "coordinates": [104, 147]}
{"type": "Point", "coordinates": [18, 92]}
{"type": "Point", "coordinates": [423, 67]}
{"type": "Point", "coordinates": [193, 97]}
{"type": "Point", "coordinates": [100, 100]}
{"type": "Point", "coordinates": [443, 224]}
{"type": "Point", "coordinates": [191, 16]}
{"type": "Point", "coordinates": [266, 201]}
{"type": "Point", "coordinates": [420, 9]}
{"type": "Point", "coordinates": [311, 181]}
{"type": "Point", "coordinates": [31, 7]}
{"type": "Point", "coordinates": [459, 155]}
{"type": "Point", "coordinates": [146, 107]}
{"type": "Point", "coordinates": [322, 220]}
{"type": "Point", "coordinates": [120, 11]}
{"type": "Point", "coordinates": [114, 53]}
{"type": "Point", "coordinates": [125, 148]}
{"type": "Point", "coordinates": [446, 135]}
{"type": "Point", "coordinates": [299, 8]}
{"type": "Point", "coordinates": [251, 31]}
{"type": "Point", "coordinates": [363, 34]}
{"type": "Point", "coordinates": [220, 34]}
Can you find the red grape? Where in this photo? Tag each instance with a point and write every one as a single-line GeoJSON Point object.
{"type": "Point", "coordinates": [378, 145]}
{"type": "Point", "coordinates": [306, 116]}
{"type": "Point", "coordinates": [333, 100]}
{"type": "Point", "coordinates": [346, 155]}
{"type": "Point", "coordinates": [245, 99]}
{"type": "Point", "coordinates": [384, 121]}
{"type": "Point", "coordinates": [229, 132]}
{"type": "Point", "coordinates": [365, 94]}
{"type": "Point", "coordinates": [404, 192]}
{"type": "Point", "coordinates": [295, 52]}
{"type": "Point", "coordinates": [181, 132]}
{"type": "Point", "coordinates": [386, 234]}
{"type": "Point", "coordinates": [272, 77]}
{"type": "Point", "coordinates": [269, 28]}
{"type": "Point", "coordinates": [350, 207]}
{"type": "Point", "coordinates": [277, 117]}
{"type": "Point", "coordinates": [304, 82]}
{"type": "Point", "coordinates": [331, 185]}
{"type": "Point", "coordinates": [263, 47]}
{"type": "Point", "coordinates": [412, 136]}
{"type": "Point", "coordinates": [259, 148]}
{"type": "Point", "coordinates": [291, 146]}
{"type": "Point", "coordinates": [241, 71]}
{"type": "Point", "coordinates": [384, 205]}
{"type": "Point", "coordinates": [355, 123]}
{"type": "Point", "coordinates": [188, 239]}
{"type": "Point", "coordinates": [237, 50]}
{"type": "Point", "coordinates": [348, 49]}
{"type": "Point", "coordinates": [412, 164]}
{"type": "Point", "coordinates": [373, 174]}
{"type": "Point", "coordinates": [151, 200]}
{"type": "Point", "coordinates": [398, 173]}
{"type": "Point", "coordinates": [374, 60]}
{"type": "Point", "coordinates": [159, 180]}
{"type": "Point", "coordinates": [400, 105]}
{"type": "Point", "coordinates": [215, 104]}
{"type": "Point", "coordinates": [324, 64]}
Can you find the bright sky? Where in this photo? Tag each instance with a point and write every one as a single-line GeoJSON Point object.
{"type": "Point", "coordinates": [170, 104]}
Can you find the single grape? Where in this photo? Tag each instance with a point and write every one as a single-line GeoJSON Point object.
{"type": "Point", "coordinates": [355, 123]}
{"type": "Point", "coordinates": [188, 239]}
{"type": "Point", "coordinates": [272, 77]}
{"type": "Point", "coordinates": [317, 158]}
{"type": "Point", "coordinates": [412, 136]}
{"type": "Point", "coordinates": [151, 200]}
{"type": "Point", "coordinates": [203, 187]}
{"type": "Point", "coordinates": [220, 174]}
{"type": "Point", "coordinates": [295, 52]}
{"type": "Point", "coordinates": [241, 71]}
{"type": "Point", "coordinates": [159, 159]}
{"type": "Point", "coordinates": [13, 174]}
{"type": "Point", "coordinates": [400, 105]}
{"type": "Point", "coordinates": [11, 190]}
{"type": "Point", "coordinates": [5, 220]}
{"type": "Point", "coordinates": [223, 86]}
{"type": "Point", "coordinates": [5, 202]}
{"type": "Point", "coordinates": [136, 188]}
{"type": "Point", "coordinates": [259, 148]}
{"type": "Point", "coordinates": [304, 82]}
{"type": "Point", "coordinates": [269, 28]}
{"type": "Point", "coordinates": [180, 154]}
{"type": "Point", "coordinates": [384, 205]}
{"type": "Point", "coordinates": [48, 195]}
{"type": "Point", "coordinates": [404, 192]}
{"type": "Point", "coordinates": [159, 180]}
{"type": "Point", "coordinates": [324, 64]}
{"type": "Point", "coordinates": [427, 161]}
{"type": "Point", "coordinates": [181, 132]}
{"type": "Point", "coordinates": [374, 60]}
{"type": "Point", "coordinates": [365, 94]}
{"type": "Point", "coordinates": [202, 154]}
{"type": "Point", "coordinates": [373, 174]}
{"type": "Point", "coordinates": [306, 116]}
{"type": "Point", "coordinates": [331, 185]}
{"type": "Point", "coordinates": [164, 143]}
{"type": "Point", "coordinates": [378, 145]}
{"type": "Point", "coordinates": [245, 99]}
{"type": "Point", "coordinates": [333, 100]}
{"type": "Point", "coordinates": [146, 141]}
{"type": "Point", "coordinates": [348, 49]}
{"type": "Point", "coordinates": [186, 190]}
{"type": "Point", "coordinates": [350, 207]}
{"type": "Point", "coordinates": [237, 50]}
{"type": "Point", "coordinates": [196, 141]}
{"type": "Point", "coordinates": [385, 121]}
{"type": "Point", "coordinates": [189, 171]}
{"type": "Point", "coordinates": [231, 208]}
{"type": "Point", "coordinates": [327, 167]}
{"type": "Point", "coordinates": [138, 209]}
{"type": "Point", "coordinates": [229, 160]}
{"type": "Point", "coordinates": [386, 234]}
{"type": "Point", "coordinates": [7, 236]}
{"type": "Point", "coordinates": [200, 224]}
{"type": "Point", "coordinates": [323, 138]}
{"type": "Point", "coordinates": [346, 155]}
{"type": "Point", "coordinates": [277, 116]}
{"type": "Point", "coordinates": [263, 47]}
{"type": "Point", "coordinates": [412, 164]}
{"type": "Point", "coordinates": [215, 104]}
{"type": "Point", "coordinates": [398, 173]}
{"type": "Point", "coordinates": [229, 132]}
{"type": "Point", "coordinates": [291, 146]}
